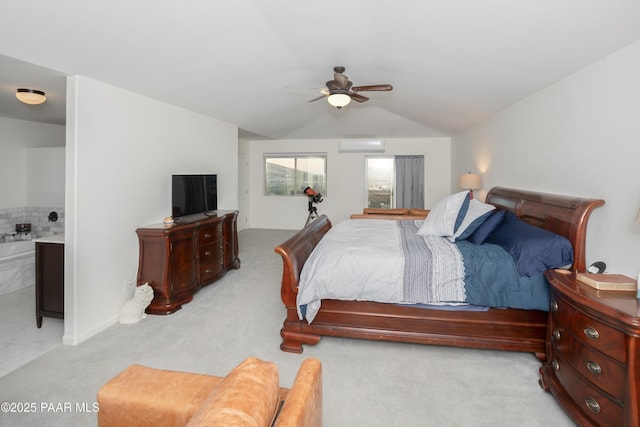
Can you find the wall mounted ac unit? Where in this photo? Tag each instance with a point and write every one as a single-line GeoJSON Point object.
{"type": "Point", "coordinates": [361, 146]}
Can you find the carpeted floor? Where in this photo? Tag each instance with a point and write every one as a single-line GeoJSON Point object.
{"type": "Point", "coordinates": [366, 383]}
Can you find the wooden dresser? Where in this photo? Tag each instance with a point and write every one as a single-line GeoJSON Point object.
{"type": "Point", "coordinates": [593, 353]}
{"type": "Point", "coordinates": [178, 259]}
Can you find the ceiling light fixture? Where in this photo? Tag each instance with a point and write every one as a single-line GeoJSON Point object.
{"type": "Point", "coordinates": [31, 96]}
{"type": "Point", "coordinates": [339, 100]}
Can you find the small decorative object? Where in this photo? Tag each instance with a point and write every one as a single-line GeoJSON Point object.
{"type": "Point", "coordinates": [608, 282]}
{"type": "Point", "coordinates": [168, 220]}
{"type": "Point", "coordinates": [133, 310]}
{"type": "Point", "coordinates": [53, 216]}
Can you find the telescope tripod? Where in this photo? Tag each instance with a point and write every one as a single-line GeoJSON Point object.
{"type": "Point", "coordinates": [313, 212]}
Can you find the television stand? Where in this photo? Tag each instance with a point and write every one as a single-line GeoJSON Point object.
{"type": "Point", "coordinates": [178, 259]}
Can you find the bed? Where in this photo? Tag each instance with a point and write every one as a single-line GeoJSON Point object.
{"type": "Point", "coordinates": [497, 328]}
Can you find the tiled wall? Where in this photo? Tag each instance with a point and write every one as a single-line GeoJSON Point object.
{"type": "Point", "coordinates": [18, 271]}
{"type": "Point", "coordinates": [38, 217]}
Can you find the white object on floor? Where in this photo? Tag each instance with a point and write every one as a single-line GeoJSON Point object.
{"type": "Point", "coordinates": [133, 310]}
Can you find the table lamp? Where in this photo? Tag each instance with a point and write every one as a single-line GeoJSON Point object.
{"type": "Point", "coordinates": [469, 181]}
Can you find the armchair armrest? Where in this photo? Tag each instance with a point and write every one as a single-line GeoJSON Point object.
{"type": "Point", "coordinates": [303, 404]}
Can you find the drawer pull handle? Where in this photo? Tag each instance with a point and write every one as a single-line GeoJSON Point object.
{"type": "Point", "coordinates": [556, 335]}
{"type": "Point", "coordinates": [208, 270]}
{"type": "Point", "coordinates": [554, 305]}
{"type": "Point", "coordinates": [555, 365]}
{"type": "Point", "coordinates": [593, 405]}
{"type": "Point", "coordinates": [594, 368]}
{"type": "Point", "coordinates": [207, 235]}
{"type": "Point", "coordinates": [208, 253]}
{"type": "Point", "coordinates": [591, 333]}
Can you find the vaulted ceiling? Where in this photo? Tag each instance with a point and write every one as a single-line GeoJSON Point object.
{"type": "Point", "coordinates": [257, 63]}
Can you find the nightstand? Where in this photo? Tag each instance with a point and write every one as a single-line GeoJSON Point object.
{"type": "Point", "coordinates": [593, 352]}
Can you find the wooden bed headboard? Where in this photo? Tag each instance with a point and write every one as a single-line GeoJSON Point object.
{"type": "Point", "coordinates": [564, 215]}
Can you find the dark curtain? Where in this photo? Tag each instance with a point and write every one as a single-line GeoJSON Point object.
{"type": "Point", "coordinates": [409, 181]}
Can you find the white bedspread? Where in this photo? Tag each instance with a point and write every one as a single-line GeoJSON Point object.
{"type": "Point", "coordinates": [364, 260]}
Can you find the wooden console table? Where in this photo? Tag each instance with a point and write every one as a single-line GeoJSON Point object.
{"type": "Point", "coordinates": [178, 259]}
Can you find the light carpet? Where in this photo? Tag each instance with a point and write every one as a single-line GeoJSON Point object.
{"type": "Point", "coordinates": [366, 383]}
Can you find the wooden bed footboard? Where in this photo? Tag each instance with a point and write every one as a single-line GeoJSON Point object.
{"type": "Point", "coordinates": [500, 329]}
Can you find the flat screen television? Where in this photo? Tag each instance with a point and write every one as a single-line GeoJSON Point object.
{"type": "Point", "coordinates": [194, 194]}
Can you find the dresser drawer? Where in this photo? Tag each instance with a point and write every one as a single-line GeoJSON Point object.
{"type": "Point", "coordinates": [209, 253]}
{"type": "Point", "coordinates": [595, 367]}
{"type": "Point", "coordinates": [211, 269]}
{"type": "Point", "coordinates": [589, 399]}
{"type": "Point", "coordinates": [210, 233]}
{"type": "Point", "coordinates": [591, 332]}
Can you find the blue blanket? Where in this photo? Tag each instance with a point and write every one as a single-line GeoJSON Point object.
{"type": "Point", "coordinates": [491, 279]}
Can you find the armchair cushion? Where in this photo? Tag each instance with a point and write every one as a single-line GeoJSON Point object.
{"type": "Point", "coordinates": [247, 396]}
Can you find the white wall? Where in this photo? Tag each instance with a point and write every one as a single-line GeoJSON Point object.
{"type": "Point", "coordinates": [16, 137]}
{"type": "Point", "coordinates": [345, 179]}
{"type": "Point", "coordinates": [580, 136]}
{"type": "Point", "coordinates": [121, 151]}
{"type": "Point", "coordinates": [45, 177]}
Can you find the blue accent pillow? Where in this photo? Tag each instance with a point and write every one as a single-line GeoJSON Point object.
{"type": "Point", "coordinates": [533, 249]}
{"type": "Point", "coordinates": [476, 214]}
{"type": "Point", "coordinates": [462, 212]}
{"type": "Point", "coordinates": [482, 233]}
{"type": "Point", "coordinates": [473, 227]}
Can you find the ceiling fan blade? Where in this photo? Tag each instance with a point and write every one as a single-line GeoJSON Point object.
{"type": "Point", "coordinates": [372, 88]}
{"type": "Point", "coordinates": [359, 98]}
{"type": "Point", "coordinates": [316, 99]}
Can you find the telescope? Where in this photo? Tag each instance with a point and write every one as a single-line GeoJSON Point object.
{"type": "Point", "coordinates": [314, 197]}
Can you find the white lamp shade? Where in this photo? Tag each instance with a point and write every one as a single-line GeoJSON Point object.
{"type": "Point", "coordinates": [339, 100]}
{"type": "Point", "coordinates": [469, 181]}
{"type": "Point", "coordinates": [31, 96]}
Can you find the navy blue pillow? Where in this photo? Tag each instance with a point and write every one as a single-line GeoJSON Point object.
{"type": "Point", "coordinates": [480, 235]}
{"type": "Point", "coordinates": [462, 212]}
{"type": "Point", "coordinates": [533, 249]}
{"type": "Point", "coordinates": [475, 224]}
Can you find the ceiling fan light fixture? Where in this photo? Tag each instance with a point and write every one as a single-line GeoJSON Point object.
{"type": "Point", "coordinates": [31, 96]}
{"type": "Point", "coordinates": [339, 100]}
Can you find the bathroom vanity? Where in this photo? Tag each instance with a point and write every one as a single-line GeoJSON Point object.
{"type": "Point", "coordinates": [49, 277]}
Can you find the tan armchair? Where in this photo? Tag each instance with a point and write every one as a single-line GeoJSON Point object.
{"type": "Point", "coordinates": [249, 395]}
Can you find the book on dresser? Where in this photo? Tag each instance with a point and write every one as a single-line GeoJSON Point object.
{"type": "Point", "coordinates": [608, 282]}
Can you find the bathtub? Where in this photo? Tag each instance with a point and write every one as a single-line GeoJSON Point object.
{"type": "Point", "coordinates": [17, 265]}
{"type": "Point", "coordinates": [11, 250]}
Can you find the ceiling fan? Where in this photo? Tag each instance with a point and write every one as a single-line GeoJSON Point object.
{"type": "Point", "coordinates": [340, 91]}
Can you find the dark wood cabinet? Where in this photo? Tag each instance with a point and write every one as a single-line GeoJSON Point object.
{"type": "Point", "coordinates": [593, 352]}
{"type": "Point", "coordinates": [178, 259]}
{"type": "Point", "coordinates": [49, 281]}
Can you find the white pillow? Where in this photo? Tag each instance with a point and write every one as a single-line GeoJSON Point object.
{"type": "Point", "coordinates": [473, 218]}
{"type": "Point", "coordinates": [441, 220]}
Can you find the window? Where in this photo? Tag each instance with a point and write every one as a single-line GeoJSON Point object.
{"type": "Point", "coordinates": [395, 181]}
{"type": "Point", "coordinates": [380, 182]}
{"type": "Point", "coordinates": [290, 174]}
